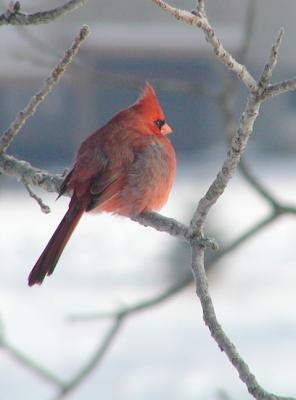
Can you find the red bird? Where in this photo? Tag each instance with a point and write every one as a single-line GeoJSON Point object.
{"type": "Point", "coordinates": [126, 167]}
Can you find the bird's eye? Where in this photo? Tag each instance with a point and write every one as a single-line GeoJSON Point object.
{"type": "Point", "coordinates": [159, 123]}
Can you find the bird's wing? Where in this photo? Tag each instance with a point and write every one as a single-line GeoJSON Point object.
{"type": "Point", "coordinates": [104, 187]}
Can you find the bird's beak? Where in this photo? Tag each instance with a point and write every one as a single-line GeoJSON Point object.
{"type": "Point", "coordinates": [166, 129]}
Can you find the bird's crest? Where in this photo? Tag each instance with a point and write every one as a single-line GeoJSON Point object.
{"type": "Point", "coordinates": [148, 103]}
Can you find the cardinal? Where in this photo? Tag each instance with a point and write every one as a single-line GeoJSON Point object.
{"type": "Point", "coordinates": [126, 167]}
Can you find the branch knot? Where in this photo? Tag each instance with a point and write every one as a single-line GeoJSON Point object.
{"type": "Point", "coordinates": [203, 242]}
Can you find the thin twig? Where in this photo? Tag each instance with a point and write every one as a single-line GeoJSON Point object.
{"type": "Point", "coordinates": [258, 186]}
{"type": "Point", "coordinates": [200, 21]}
{"type": "Point", "coordinates": [124, 312]}
{"type": "Point", "coordinates": [249, 233]}
{"type": "Point", "coordinates": [15, 17]}
{"type": "Point", "coordinates": [271, 63]}
{"type": "Point", "coordinates": [9, 135]}
{"type": "Point", "coordinates": [230, 84]}
{"type": "Point", "coordinates": [279, 88]}
{"type": "Point", "coordinates": [94, 360]}
{"type": "Point", "coordinates": [26, 361]}
{"type": "Point", "coordinates": [44, 208]}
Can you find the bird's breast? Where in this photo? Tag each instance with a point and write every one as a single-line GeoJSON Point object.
{"type": "Point", "coordinates": [150, 177]}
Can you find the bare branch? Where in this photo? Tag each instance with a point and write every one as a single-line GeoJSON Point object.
{"type": "Point", "coordinates": [271, 63]}
{"type": "Point", "coordinates": [14, 17]}
{"type": "Point", "coordinates": [279, 88]}
{"type": "Point", "coordinates": [128, 311]}
{"type": "Point", "coordinates": [22, 170]}
{"type": "Point", "coordinates": [94, 360]}
{"type": "Point", "coordinates": [27, 362]}
{"type": "Point", "coordinates": [163, 224]}
{"type": "Point", "coordinates": [44, 208]}
{"type": "Point", "coordinates": [226, 102]}
{"type": "Point", "coordinates": [243, 237]}
{"type": "Point", "coordinates": [37, 99]}
{"type": "Point", "coordinates": [227, 106]}
{"type": "Point", "coordinates": [200, 21]}
{"type": "Point", "coordinates": [258, 186]}
{"type": "Point", "coordinates": [237, 147]}
{"type": "Point", "coordinates": [217, 332]}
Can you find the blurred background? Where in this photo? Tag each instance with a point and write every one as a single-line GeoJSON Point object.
{"type": "Point", "coordinates": [111, 262]}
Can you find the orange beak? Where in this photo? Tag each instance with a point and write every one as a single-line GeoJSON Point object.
{"type": "Point", "coordinates": [165, 129]}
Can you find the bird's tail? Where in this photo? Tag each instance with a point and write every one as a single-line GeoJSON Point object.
{"type": "Point", "coordinates": [52, 252]}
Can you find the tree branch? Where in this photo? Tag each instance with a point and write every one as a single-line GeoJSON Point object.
{"type": "Point", "coordinates": [94, 360]}
{"type": "Point", "coordinates": [237, 147]}
{"type": "Point", "coordinates": [15, 17]}
{"type": "Point", "coordinates": [258, 186]}
{"type": "Point", "coordinates": [22, 170]}
{"type": "Point", "coordinates": [26, 361]}
{"type": "Point", "coordinates": [163, 224]}
{"type": "Point", "coordinates": [125, 312]}
{"type": "Point", "coordinates": [199, 20]}
{"type": "Point", "coordinates": [271, 63]}
{"type": "Point", "coordinates": [217, 332]}
{"type": "Point", "coordinates": [44, 208]}
{"type": "Point", "coordinates": [226, 101]}
{"type": "Point", "coordinates": [10, 134]}
{"type": "Point", "coordinates": [279, 88]}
